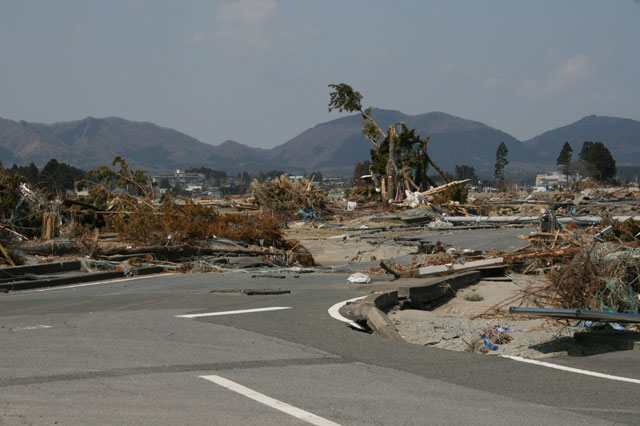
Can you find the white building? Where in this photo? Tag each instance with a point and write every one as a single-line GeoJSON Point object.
{"type": "Point", "coordinates": [180, 178]}
{"type": "Point", "coordinates": [555, 179]}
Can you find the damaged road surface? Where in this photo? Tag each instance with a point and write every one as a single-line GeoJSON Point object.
{"type": "Point", "coordinates": [196, 349]}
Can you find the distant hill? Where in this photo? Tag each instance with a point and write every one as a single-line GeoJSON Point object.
{"type": "Point", "coordinates": [620, 135]}
{"type": "Point", "coordinates": [332, 147]}
{"type": "Point", "coordinates": [92, 142]}
{"type": "Point", "coordinates": [233, 157]}
{"type": "Point", "coordinates": [453, 140]}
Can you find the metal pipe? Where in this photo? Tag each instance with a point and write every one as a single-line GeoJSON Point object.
{"type": "Point", "coordinates": [532, 219]}
{"type": "Point", "coordinates": [579, 314]}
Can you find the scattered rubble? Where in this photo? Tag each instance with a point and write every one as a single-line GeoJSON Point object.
{"type": "Point", "coordinates": [121, 218]}
{"type": "Point", "coordinates": [571, 250]}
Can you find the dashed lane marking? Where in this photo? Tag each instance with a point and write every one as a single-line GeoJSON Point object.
{"type": "Point", "coordinates": [573, 370]}
{"type": "Point", "coordinates": [115, 281]}
{"type": "Point", "coordinates": [243, 311]}
{"type": "Point", "coordinates": [271, 402]}
{"type": "Point", "coordinates": [32, 327]}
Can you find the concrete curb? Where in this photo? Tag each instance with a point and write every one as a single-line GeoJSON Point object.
{"type": "Point", "coordinates": [41, 268]}
{"type": "Point", "coordinates": [77, 279]}
{"type": "Point", "coordinates": [372, 308]}
{"type": "Point", "coordinates": [419, 295]}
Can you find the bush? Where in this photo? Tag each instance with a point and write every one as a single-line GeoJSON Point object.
{"type": "Point", "coordinates": [453, 193]}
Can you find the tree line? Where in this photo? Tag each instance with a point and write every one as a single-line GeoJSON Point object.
{"type": "Point", "coordinates": [595, 160]}
{"type": "Point", "coordinates": [54, 177]}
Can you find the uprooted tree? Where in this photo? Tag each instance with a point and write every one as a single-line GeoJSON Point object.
{"type": "Point", "coordinates": [399, 157]}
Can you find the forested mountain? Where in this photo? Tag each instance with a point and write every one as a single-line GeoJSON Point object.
{"type": "Point", "coordinates": [332, 147]}
{"type": "Point", "coordinates": [620, 135]}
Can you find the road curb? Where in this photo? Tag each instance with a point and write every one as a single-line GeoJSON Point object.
{"type": "Point", "coordinates": [40, 268]}
{"type": "Point", "coordinates": [372, 309]}
{"type": "Point", "coordinates": [77, 279]}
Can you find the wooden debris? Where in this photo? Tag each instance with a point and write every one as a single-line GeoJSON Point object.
{"type": "Point", "coordinates": [48, 226]}
{"type": "Point", "coordinates": [546, 254]}
{"type": "Point", "coordinates": [390, 270]}
{"type": "Point", "coordinates": [6, 255]}
{"type": "Point", "coordinates": [443, 187]}
{"type": "Point", "coordinates": [452, 268]}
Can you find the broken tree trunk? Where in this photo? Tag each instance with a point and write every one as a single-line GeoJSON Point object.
{"type": "Point", "coordinates": [389, 269]}
{"type": "Point", "coordinates": [392, 167]}
{"type": "Point", "coordinates": [48, 226]}
{"type": "Point", "coordinates": [383, 190]}
{"type": "Point", "coordinates": [409, 183]}
{"type": "Point", "coordinates": [50, 248]}
{"type": "Point", "coordinates": [6, 255]}
{"type": "Point", "coordinates": [438, 169]}
{"type": "Point", "coordinates": [443, 187]}
{"type": "Point", "coordinates": [182, 250]}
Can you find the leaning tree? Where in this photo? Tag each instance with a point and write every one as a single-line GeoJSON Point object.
{"type": "Point", "coordinates": [399, 157]}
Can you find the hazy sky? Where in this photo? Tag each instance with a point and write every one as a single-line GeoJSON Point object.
{"type": "Point", "coordinates": [256, 71]}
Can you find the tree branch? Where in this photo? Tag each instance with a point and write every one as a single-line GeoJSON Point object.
{"type": "Point", "coordinates": [367, 116]}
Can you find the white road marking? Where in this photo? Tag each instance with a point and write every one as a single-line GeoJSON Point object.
{"type": "Point", "coordinates": [33, 327]}
{"type": "Point", "coordinates": [115, 281]}
{"type": "Point", "coordinates": [334, 312]}
{"type": "Point", "coordinates": [573, 370]}
{"type": "Point", "coordinates": [243, 311]}
{"type": "Point", "coordinates": [271, 402]}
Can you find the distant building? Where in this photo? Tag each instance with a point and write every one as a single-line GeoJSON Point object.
{"type": "Point", "coordinates": [180, 178]}
{"type": "Point", "coordinates": [556, 180]}
{"type": "Point", "coordinates": [84, 192]}
{"type": "Point", "coordinates": [215, 193]}
{"type": "Point", "coordinates": [550, 180]}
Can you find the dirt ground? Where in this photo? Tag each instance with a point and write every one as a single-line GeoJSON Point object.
{"type": "Point", "coordinates": [454, 325]}
{"type": "Point", "coordinates": [335, 246]}
{"type": "Point", "coordinates": [458, 324]}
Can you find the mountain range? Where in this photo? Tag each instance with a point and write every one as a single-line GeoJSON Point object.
{"type": "Point", "coordinates": [332, 147]}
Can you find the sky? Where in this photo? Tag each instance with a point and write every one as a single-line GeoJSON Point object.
{"type": "Point", "coordinates": [256, 71]}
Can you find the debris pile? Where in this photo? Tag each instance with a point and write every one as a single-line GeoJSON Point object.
{"type": "Point", "coordinates": [602, 277]}
{"type": "Point", "coordinates": [288, 199]}
{"type": "Point", "coordinates": [122, 220]}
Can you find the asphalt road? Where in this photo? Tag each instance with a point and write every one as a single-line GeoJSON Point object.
{"type": "Point", "coordinates": [119, 353]}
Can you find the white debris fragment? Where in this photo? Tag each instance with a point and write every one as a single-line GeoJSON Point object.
{"type": "Point", "coordinates": [414, 199]}
{"type": "Point", "coordinates": [359, 278]}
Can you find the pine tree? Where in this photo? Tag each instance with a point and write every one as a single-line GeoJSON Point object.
{"type": "Point", "coordinates": [501, 161]}
{"type": "Point", "coordinates": [600, 164]}
{"type": "Point", "coordinates": [466, 172]}
{"type": "Point", "coordinates": [564, 159]}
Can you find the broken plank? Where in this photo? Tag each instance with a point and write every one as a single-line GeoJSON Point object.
{"type": "Point", "coordinates": [563, 252]}
{"type": "Point", "coordinates": [452, 268]}
{"type": "Point", "coordinates": [443, 187]}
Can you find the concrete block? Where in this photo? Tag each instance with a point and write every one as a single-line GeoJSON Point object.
{"type": "Point", "coordinates": [386, 300]}
{"type": "Point", "coordinates": [421, 294]}
{"type": "Point", "coordinates": [380, 323]}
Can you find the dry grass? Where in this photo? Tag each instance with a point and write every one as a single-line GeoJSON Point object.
{"type": "Point", "coordinates": [190, 223]}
